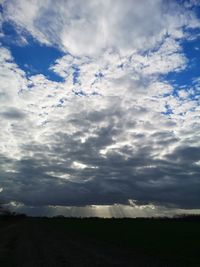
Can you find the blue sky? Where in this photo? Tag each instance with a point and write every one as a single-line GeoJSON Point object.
{"type": "Point", "coordinates": [81, 134]}
{"type": "Point", "coordinates": [192, 51]}
{"type": "Point", "coordinates": [32, 57]}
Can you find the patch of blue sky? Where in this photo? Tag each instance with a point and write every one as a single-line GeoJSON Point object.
{"type": "Point", "coordinates": [76, 74]}
{"type": "Point", "coordinates": [31, 57]}
{"type": "Point", "coordinates": [196, 9]}
{"type": "Point", "coordinates": [61, 102]}
{"type": "Point", "coordinates": [168, 110]}
{"type": "Point", "coordinates": [185, 79]}
{"type": "Point", "coordinates": [79, 92]}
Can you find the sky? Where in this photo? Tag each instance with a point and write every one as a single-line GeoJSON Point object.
{"type": "Point", "coordinates": [100, 107]}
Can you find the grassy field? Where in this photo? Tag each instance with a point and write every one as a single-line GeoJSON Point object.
{"type": "Point", "coordinates": [99, 242]}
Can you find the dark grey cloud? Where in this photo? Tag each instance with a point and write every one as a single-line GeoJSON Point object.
{"type": "Point", "coordinates": [128, 172]}
{"type": "Point", "coordinates": [12, 114]}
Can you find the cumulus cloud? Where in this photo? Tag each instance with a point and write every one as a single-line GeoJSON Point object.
{"type": "Point", "coordinates": [113, 132]}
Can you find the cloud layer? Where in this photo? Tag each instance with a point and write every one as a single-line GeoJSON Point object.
{"type": "Point", "coordinates": [114, 131]}
{"type": "Point", "coordinates": [92, 26]}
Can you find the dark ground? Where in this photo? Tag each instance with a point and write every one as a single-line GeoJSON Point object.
{"type": "Point", "coordinates": [42, 242]}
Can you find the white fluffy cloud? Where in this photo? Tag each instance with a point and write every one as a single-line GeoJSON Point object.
{"type": "Point", "coordinates": [113, 130]}
{"type": "Point", "coordinates": [91, 26]}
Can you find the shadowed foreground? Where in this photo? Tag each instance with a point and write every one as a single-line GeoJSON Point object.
{"type": "Point", "coordinates": [35, 242]}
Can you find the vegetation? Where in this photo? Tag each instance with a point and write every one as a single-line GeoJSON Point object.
{"type": "Point", "coordinates": [144, 242]}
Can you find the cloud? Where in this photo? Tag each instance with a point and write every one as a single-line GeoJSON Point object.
{"type": "Point", "coordinates": [12, 114]}
{"type": "Point", "coordinates": [114, 132]}
{"type": "Point", "coordinates": [90, 27]}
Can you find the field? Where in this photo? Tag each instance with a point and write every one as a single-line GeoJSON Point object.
{"type": "Point", "coordinates": [35, 242]}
